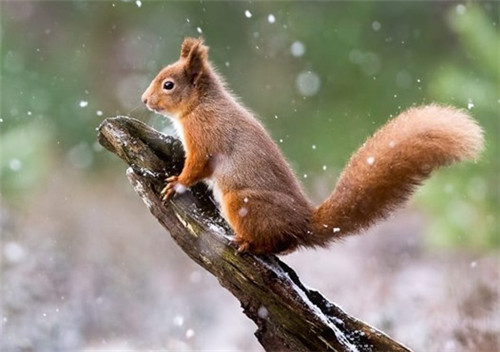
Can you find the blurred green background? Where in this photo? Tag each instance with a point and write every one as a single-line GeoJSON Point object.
{"type": "Point", "coordinates": [85, 266]}
{"type": "Point", "coordinates": [322, 77]}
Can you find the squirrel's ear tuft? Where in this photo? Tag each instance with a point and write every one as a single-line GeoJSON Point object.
{"type": "Point", "coordinates": [196, 59]}
{"type": "Point", "coordinates": [188, 44]}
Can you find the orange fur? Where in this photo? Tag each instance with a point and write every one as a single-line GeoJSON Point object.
{"type": "Point", "coordinates": [259, 194]}
{"type": "Point", "coordinates": [382, 174]}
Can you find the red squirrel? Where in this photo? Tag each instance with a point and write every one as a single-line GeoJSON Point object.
{"type": "Point", "coordinates": [258, 194]}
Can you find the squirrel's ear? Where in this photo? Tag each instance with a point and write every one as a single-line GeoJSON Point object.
{"type": "Point", "coordinates": [196, 60]}
{"type": "Point", "coordinates": [187, 45]}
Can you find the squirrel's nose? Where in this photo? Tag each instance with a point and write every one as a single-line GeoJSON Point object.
{"type": "Point", "coordinates": [144, 99]}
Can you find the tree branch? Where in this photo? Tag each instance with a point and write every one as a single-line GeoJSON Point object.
{"type": "Point", "coordinates": [289, 316]}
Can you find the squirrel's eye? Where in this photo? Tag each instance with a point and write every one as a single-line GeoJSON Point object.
{"type": "Point", "coordinates": [168, 85]}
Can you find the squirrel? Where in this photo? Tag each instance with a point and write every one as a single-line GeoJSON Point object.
{"type": "Point", "coordinates": [258, 193]}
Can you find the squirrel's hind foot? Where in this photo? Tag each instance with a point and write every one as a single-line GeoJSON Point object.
{"type": "Point", "coordinates": [243, 246]}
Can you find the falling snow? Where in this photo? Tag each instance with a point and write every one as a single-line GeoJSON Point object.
{"type": "Point", "coordinates": [189, 333]}
{"type": "Point", "coordinates": [14, 252]}
{"type": "Point", "coordinates": [271, 18]}
{"type": "Point", "coordinates": [178, 320]}
{"type": "Point", "coordinates": [194, 277]}
{"type": "Point", "coordinates": [460, 9]}
{"type": "Point", "coordinates": [298, 49]}
{"type": "Point", "coordinates": [262, 312]}
{"type": "Point", "coordinates": [242, 212]}
{"type": "Point", "coordinates": [248, 14]}
{"type": "Point", "coordinates": [308, 83]}
{"type": "Point", "coordinates": [15, 164]}
{"type": "Point", "coordinates": [83, 103]}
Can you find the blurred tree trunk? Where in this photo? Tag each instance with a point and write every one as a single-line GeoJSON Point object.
{"type": "Point", "coordinates": [289, 316]}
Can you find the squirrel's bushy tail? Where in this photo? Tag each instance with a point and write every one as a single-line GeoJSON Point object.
{"type": "Point", "coordinates": [382, 174]}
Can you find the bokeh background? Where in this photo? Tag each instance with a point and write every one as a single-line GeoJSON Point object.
{"type": "Point", "coordinates": [85, 267]}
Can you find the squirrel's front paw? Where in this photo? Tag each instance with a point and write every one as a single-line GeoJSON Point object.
{"type": "Point", "coordinates": [173, 186]}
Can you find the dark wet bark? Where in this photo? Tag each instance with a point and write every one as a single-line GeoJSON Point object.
{"type": "Point", "coordinates": [289, 316]}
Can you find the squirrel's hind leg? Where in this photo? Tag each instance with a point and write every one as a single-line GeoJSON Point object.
{"type": "Point", "coordinates": [258, 222]}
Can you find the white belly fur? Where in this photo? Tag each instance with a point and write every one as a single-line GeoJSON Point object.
{"type": "Point", "coordinates": [212, 185]}
{"type": "Point", "coordinates": [210, 182]}
{"type": "Point", "coordinates": [217, 194]}
{"type": "Point", "coordinates": [179, 131]}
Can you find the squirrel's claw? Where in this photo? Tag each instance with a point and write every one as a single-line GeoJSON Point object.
{"type": "Point", "coordinates": [169, 190]}
{"type": "Point", "coordinates": [243, 246]}
{"type": "Point", "coordinates": [167, 193]}
{"type": "Point", "coordinates": [172, 179]}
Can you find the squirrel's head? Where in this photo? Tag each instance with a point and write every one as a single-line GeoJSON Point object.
{"type": "Point", "coordinates": [179, 86]}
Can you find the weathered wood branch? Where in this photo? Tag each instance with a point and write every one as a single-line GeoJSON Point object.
{"type": "Point", "coordinates": [289, 316]}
